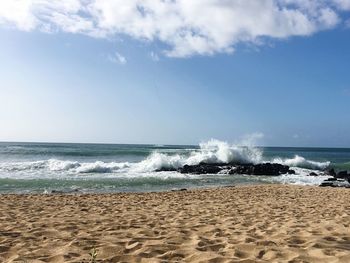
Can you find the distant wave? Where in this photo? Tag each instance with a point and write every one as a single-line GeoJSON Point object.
{"type": "Point", "coordinates": [75, 151]}
{"type": "Point", "coordinates": [54, 165]}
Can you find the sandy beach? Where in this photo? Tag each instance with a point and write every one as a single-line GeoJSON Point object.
{"type": "Point", "coordinates": [267, 223]}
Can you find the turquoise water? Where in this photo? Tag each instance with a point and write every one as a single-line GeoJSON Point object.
{"type": "Point", "coordinates": [47, 167]}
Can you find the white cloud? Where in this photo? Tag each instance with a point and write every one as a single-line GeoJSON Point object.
{"type": "Point", "coordinates": [187, 27]}
{"type": "Point", "coordinates": [342, 4]}
{"type": "Point", "coordinates": [117, 58]}
{"type": "Point", "coordinates": [19, 13]}
{"type": "Point", "coordinates": [154, 56]}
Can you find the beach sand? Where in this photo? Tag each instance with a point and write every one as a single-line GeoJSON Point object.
{"type": "Point", "coordinates": [267, 223]}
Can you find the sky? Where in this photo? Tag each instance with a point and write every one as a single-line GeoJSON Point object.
{"type": "Point", "coordinates": [175, 72]}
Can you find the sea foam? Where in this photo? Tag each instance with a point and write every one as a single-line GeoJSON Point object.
{"type": "Point", "coordinates": [299, 161]}
{"type": "Point", "coordinates": [213, 151]}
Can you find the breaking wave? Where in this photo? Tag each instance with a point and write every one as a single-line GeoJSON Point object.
{"type": "Point", "coordinates": [53, 165]}
{"type": "Point", "coordinates": [299, 161]}
{"type": "Point", "coordinates": [216, 151]}
{"type": "Point", "coordinates": [213, 151]}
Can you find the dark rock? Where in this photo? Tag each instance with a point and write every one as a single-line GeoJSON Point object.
{"type": "Point", "coordinates": [342, 174]}
{"type": "Point", "coordinates": [330, 179]}
{"type": "Point", "coordinates": [324, 184]}
{"type": "Point", "coordinates": [215, 164]}
{"type": "Point", "coordinates": [201, 168]}
{"type": "Point", "coordinates": [313, 174]}
{"type": "Point", "coordinates": [271, 169]}
{"type": "Point", "coordinates": [291, 171]}
{"type": "Point", "coordinates": [331, 172]}
{"type": "Point", "coordinates": [243, 169]}
{"type": "Point", "coordinates": [232, 170]}
{"type": "Point", "coordinates": [335, 182]}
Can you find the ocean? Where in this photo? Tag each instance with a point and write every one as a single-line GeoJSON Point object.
{"type": "Point", "coordinates": [105, 168]}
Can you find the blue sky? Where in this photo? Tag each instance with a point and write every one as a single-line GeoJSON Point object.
{"type": "Point", "coordinates": [64, 85]}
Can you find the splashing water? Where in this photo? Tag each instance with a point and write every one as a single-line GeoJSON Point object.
{"type": "Point", "coordinates": [128, 164]}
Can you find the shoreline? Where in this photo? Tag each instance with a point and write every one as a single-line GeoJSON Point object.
{"type": "Point", "coordinates": [174, 190]}
{"type": "Point", "coordinates": [259, 223]}
{"type": "Point", "coordinates": [77, 193]}
{"type": "Point", "coordinates": [114, 185]}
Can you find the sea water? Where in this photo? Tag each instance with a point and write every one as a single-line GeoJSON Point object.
{"type": "Point", "coordinates": [49, 167]}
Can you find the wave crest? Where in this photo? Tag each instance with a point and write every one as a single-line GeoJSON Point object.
{"type": "Point", "coordinates": [158, 161]}
{"type": "Point", "coordinates": [101, 167]}
{"type": "Point", "coordinates": [54, 165]}
{"type": "Point", "coordinates": [213, 151]}
{"type": "Point", "coordinates": [299, 161]}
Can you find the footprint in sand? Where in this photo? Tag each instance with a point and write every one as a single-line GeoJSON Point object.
{"type": "Point", "coordinates": [132, 246]}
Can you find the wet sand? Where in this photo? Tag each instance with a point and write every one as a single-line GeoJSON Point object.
{"type": "Point", "coordinates": [267, 223]}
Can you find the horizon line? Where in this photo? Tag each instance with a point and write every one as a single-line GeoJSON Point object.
{"type": "Point", "coordinates": [164, 144]}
